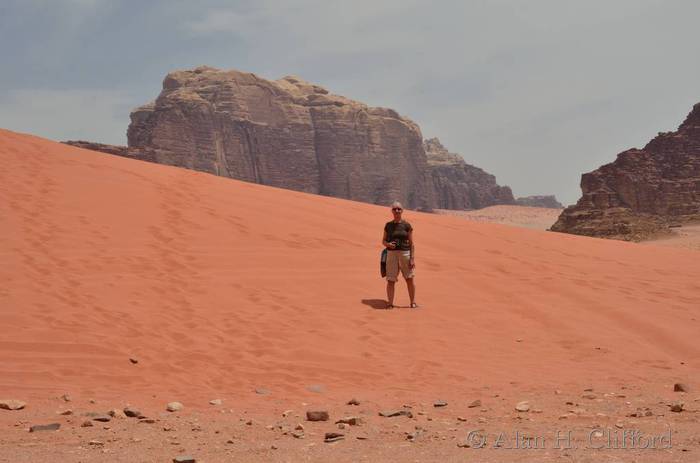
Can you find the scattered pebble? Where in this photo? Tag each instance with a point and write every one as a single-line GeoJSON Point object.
{"type": "Point", "coordinates": [184, 459]}
{"type": "Point", "coordinates": [350, 420]}
{"type": "Point", "coordinates": [102, 418]}
{"type": "Point", "coordinates": [96, 443]}
{"type": "Point", "coordinates": [11, 404]}
{"type": "Point", "coordinates": [440, 403]}
{"type": "Point", "coordinates": [680, 387]}
{"type": "Point", "coordinates": [390, 413]}
{"type": "Point", "coordinates": [353, 401]}
{"type": "Point", "coordinates": [475, 403]}
{"type": "Point", "coordinates": [216, 402]}
{"type": "Point", "coordinates": [114, 413]}
{"type": "Point", "coordinates": [87, 424]}
{"type": "Point", "coordinates": [132, 412]}
{"type": "Point", "coordinates": [66, 398]}
{"type": "Point", "coordinates": [262, 391]}
{"type": "Point", "coordinates": [677, 407]}
{"type": "Point", "coordinates": [174, 406]}
{"type": "Point", "coordinates": [412, 436]}
{"type": "Point", "coordinates": [45, 427]}
{"type": "Point", "coordinates": [317, 415]}
{"type": "Point", "coordinates": [333, 437]}
{"type": "Point", "coordinates": [522, 406]}
{"type": "Point", "coordinates": [66, 412]}
{"type": "Point", "coordinates": [133, 360]}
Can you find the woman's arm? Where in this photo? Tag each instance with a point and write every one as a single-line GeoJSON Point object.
{"type": "Point", "coordinates": [412, 262]}
{"type": "Point", "coordinates": [385, 243]}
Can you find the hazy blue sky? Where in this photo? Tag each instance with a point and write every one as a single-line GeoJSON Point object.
{"type": "Point", "coordinates": [535, 92]}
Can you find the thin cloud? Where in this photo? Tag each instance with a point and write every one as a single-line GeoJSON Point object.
{"type": "Point", "coordinates": [89, 114]}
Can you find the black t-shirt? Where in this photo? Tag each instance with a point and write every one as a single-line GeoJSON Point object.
{"type": "Point", "coordinates": [398, 232]}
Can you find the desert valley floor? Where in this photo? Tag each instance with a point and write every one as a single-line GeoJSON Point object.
{"type": "Point", "coordinates": [125, 283]}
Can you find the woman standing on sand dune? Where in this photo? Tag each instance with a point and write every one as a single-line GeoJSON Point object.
{"type": "Point", "coordinates": [398, 239]}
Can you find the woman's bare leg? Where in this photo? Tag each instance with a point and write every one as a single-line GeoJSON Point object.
{"type": "Point", "coordinates": [411, 290]}
{"type": "Point", "coordinates": [390, 291]}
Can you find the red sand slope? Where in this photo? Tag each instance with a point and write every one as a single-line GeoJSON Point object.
{"type": "Point", "coordinates": [218, 286]}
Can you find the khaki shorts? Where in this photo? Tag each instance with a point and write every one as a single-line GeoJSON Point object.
{"type": "Point", "coordinates": [396, 260]}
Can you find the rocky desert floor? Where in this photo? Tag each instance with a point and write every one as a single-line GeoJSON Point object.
{"type": "Point", "coordinates": [610, 424]}
{"type": "Point", "coordinates": [685, 237]}
{"type": "Point", "coordinates": [127, 286]}
{"type": "Point", "coordinates": [537, 218]}
{"type": "Point", "coordinates": [541, 218]}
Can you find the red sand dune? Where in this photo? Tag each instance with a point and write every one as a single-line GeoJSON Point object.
{"type": "Point", "coordinates": [218, 286]}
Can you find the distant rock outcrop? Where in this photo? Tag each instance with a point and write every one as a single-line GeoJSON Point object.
{"type": "Point", "coordinates": [548, 201]}
{"type": "Point", "coordinates": [292, 134]}
{"type": "Point", "coordinates": [459, 185]}
{"type": "Point", "coordinates": [643, 192]}
{"type": "Point", "coordinates": [143, 154]}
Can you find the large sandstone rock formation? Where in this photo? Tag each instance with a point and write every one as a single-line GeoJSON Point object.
{"type": "Point", "coordinates": [286, 133]}
{"type": "Point", "coordinates": [459, 185]}
{"type": "Point", "coordinates": [643, 192]}
{"type": "Point", "coordinates": [548, 201]}
{"type": "Point", "coordinates": [292, 134]}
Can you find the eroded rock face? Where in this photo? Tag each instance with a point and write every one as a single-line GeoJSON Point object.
{"type": "Point", "coordinates": [548, 201]}
{"type": "Point", "coordinates": [644, 191]}
{"type": "Point", "coordinates": [292, 134]}
{"type": "Point", "coordinates": [458, 185]}
{"type": "Point", "coordinates": [286, 133]}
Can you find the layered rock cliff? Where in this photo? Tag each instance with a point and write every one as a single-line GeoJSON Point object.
{"type": "Point", "coordinates": [292, 134]}
{"type": "Point", "coordinates": [286, 133]}
{"type": "Point", "coordinates": [644, 191]}
{"type": "Point", "coordinates": [458, 185]}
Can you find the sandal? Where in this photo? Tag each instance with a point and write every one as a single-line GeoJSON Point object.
{"type": "Point", "coordinates": [390, 306]}
{"type": "Point", "coordinates": [414, 305]}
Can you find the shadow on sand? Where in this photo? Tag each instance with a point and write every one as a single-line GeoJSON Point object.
{"type": "Point", "coordinates": [378, 304]}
